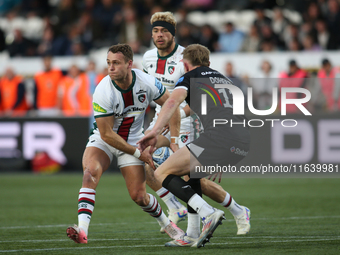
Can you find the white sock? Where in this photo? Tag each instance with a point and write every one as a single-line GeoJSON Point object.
{"type": "Point", "coordinates": [169, 199]}
{"type": "Point", "coordinates": [227, 200]}
{"type": "Point", "coordinates": [193, 228]}
{"type": "Point", "coordinates": [234, 208]}
{"type": "Point", "coordinates": [155, 210]}
{"type": "Point", "coordinates": [200, 206]}
{"type": "Point", "coordinates": [86, 202]}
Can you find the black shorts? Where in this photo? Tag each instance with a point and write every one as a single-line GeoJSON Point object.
{"type": "Point", "coordinates": [211, 150]}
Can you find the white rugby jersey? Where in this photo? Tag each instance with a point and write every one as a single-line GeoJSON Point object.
{"type": "Point", "coordinates": [127, 106]}
{"type": "Point", "coordinates": [166, 69]}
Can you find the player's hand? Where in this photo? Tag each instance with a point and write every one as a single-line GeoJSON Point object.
{"type": "Point", "coordinates": [147, 158]}
{"type": "Point", "coordinates": [174, 147]}
{"type": "Point", "coordinates": [215, 175]}
{"type": "Point", "coordinates": [149, 139]}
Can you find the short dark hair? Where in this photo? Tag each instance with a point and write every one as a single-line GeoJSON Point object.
{"type": "Point", "coordinates": [197, 54]}
{"type": "Point", "coordinates": [125, 49]}
{"type": "Point", "coordinates": [292, 62]}
{"type": "Point", "coordinates": [325, 61]}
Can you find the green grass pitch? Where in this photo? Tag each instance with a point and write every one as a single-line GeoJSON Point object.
{"type": "Point", "coordinates": [289, 216]}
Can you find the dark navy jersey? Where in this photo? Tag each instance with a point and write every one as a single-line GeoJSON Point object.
{"type": "Point", "coordinates": [213, 105]}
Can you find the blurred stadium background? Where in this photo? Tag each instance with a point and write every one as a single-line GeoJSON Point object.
{"type": "Point", "coordinates": [52, 55]}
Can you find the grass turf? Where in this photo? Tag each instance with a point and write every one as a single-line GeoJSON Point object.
{"type": "Point", "coordinates": [289, 216]}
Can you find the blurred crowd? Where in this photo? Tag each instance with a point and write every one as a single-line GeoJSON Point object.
{"type": "Point", "coordinates": [50, 92]}
{"type": "Point", "coordinates": [74, 27]}
{"type": "Point", "coordinates": [54, 92]}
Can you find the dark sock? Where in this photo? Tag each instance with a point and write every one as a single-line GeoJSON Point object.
{"type": "Point", "coordinates": [177, 186]}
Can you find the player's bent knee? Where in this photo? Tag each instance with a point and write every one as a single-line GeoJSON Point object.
{"type": "Point", "coordinates": [139, 198]}
{"type": "Point", "coordinates": [90, 178]}
{"type": "Point", "coordinates": [158, 175]}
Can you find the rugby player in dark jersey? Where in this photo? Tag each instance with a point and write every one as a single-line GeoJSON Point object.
{"type": "Point", "coordinates": [219, 144]}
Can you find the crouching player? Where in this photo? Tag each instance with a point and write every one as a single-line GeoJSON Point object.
{"type": "Point", "coordinates": [119, 104]}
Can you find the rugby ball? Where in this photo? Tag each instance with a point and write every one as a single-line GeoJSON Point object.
{"type": "Point", "coordinates": [160, 155]}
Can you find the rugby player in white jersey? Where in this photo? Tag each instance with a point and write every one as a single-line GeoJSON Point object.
{"type": "Point", "coordinates": [165, 62]}
{"type": "Point", "coordinates": [119, 104]}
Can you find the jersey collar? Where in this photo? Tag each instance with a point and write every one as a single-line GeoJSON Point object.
{"type": "Point", "coordinates": [170, 54]}
{"type": "Point", "coordinates": [130, 87]}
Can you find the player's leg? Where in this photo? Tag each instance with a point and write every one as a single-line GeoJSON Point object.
{"type": "Point", "coordinates": [194, 221]}
{"type": "Point", "coordinates": [219, 195]}
{"type": "Point", "coordinates": [95, 162]}
{"type": "Point", "coordinates": [176, 210]}
{"type": "Point", "coordinates": [135, 182]}
{"type": "Point", "coordinates": [178, 164]}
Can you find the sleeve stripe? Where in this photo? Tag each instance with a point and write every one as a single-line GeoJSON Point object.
{"type": "Point", "coordinates": [160, 94]}
{"type": "Point", "coordinates": [103, 115]}
{"type": "Point", "coordinates": [181, 87]}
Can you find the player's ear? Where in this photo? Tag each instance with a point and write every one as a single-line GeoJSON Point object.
{"type": "Point", "coordinates": [209, 63]}
{"type": "Point", "coordinates": [186, 66]}
{"type": "Point", "coordinates": [130, 64]}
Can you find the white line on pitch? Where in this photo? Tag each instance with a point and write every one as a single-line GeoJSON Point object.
{"type": "Point", "coordinates": [154, 222]}
{"type": "Point", "coordinates": [165, 238]}
{"type": "Point", "coordinates": [138, 246]}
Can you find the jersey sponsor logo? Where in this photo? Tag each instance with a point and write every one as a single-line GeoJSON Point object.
{"type": "Point", "coordinates": [129, 110]}
{"type": "Point", "coordinates": [219, 80]}
{"type": "Point", "coordinates": [140, 92]}
{"type": "Point", "coordinates": [98, 108]}
{"type": "Point", "coordinates": [209, 72]}
{"type": "Point", "coordinates": [184, 138]}
{"type": "Point", "coordinates": [171, 69]}
{"type": "Point", "coordinates": [167, 81]}
{"type": "Point", "coordinates": [141, 98]}
{"type": "Point", "coordinates": [172, 63]}
{"type": "Point", "coordinates": [238, 151]}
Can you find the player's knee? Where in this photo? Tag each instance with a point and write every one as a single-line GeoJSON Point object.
{"type": "Point", "coordinates": [139, 198]}
{"type": "Point", "coordinates": [157, 175]}
{"type": "Point", "coordinates": [90, 177]}
{"type": "Point", "coordinates": [160, 175]}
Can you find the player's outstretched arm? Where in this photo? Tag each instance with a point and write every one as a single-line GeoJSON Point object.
{"type": "Point", "coordinates": [174, 123]}
{"type": "Point", "coordinates": [168, 109]}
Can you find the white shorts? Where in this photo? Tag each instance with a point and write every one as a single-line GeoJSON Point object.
{"type": "Point", "coordinates": [185, 134]}
{"type": "Point", "coordinates": [123, 159]}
